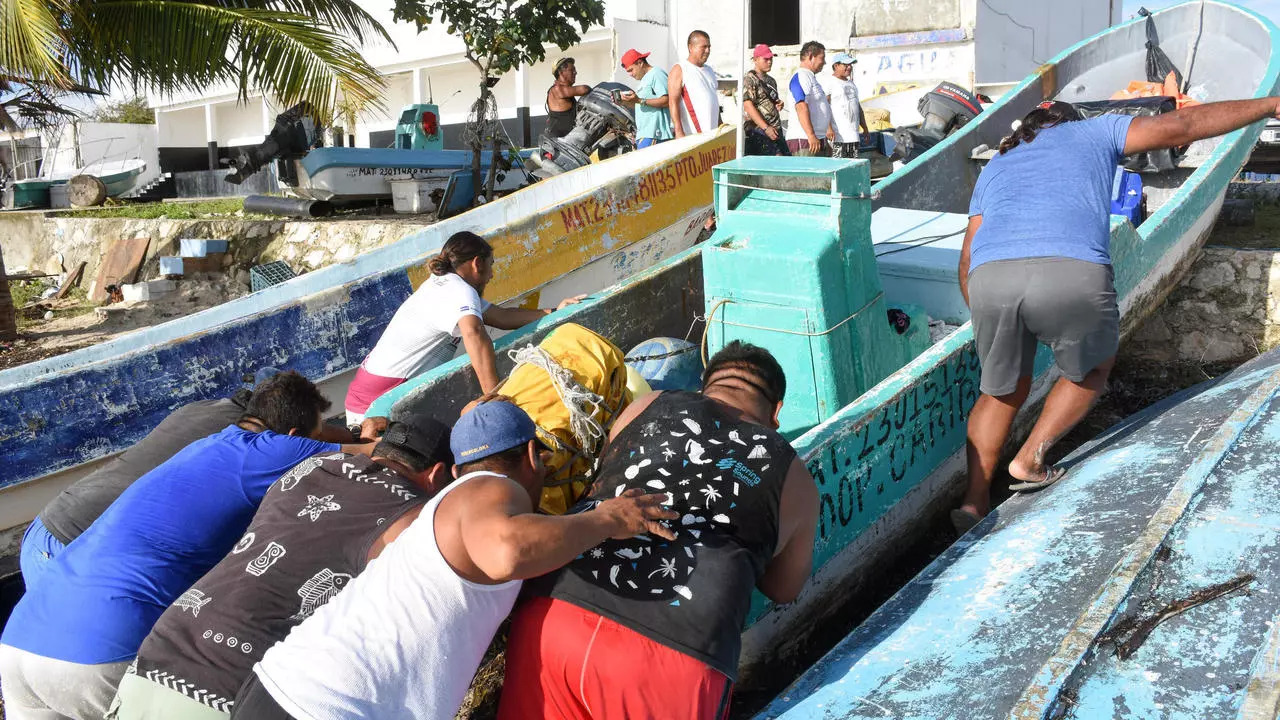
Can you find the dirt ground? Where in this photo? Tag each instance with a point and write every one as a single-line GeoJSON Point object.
{"type": "Point", "coordinates": [77, 324]}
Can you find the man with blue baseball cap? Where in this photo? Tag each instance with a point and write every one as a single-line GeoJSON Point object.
{"type": "Point", "coordinates": [415, 624]}
{"type": "Point", "coordinates": [846, 108]}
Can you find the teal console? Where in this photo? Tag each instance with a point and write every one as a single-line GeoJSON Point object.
{"type": "Point", "coordinates": [791, 268]}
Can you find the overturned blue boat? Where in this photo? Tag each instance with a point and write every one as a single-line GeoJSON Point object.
{"type": "Point", "coordinates": [1142, 585]}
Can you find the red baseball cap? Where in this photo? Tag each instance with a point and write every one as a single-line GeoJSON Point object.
{"type": "Point", "coordinates": [762, 51]}
{"type": "Point", "coordinates": [631, 56]}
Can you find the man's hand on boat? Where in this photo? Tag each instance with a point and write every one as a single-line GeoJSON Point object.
{"type": "Point", "coordinates": [371, 428]}
{"type": "Point", "coordinates": [568, 301]}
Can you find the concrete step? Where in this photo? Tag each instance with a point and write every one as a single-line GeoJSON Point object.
{"type": "Point", "coordinates": [200, 247]}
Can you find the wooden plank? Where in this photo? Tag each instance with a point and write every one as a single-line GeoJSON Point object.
{"type": "Point", "coordinates": [120, 265]}
{"type": "Point", "coordinates": [73, 279]}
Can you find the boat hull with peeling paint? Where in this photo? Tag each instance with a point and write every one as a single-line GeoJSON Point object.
{"type": "Point", "coordinates": [1032, 613]}
{"type": "Point", "coordinates": [575, 233]}
{"type": "Point", "coordinates": [889, 465]}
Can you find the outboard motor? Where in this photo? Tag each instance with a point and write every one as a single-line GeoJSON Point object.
{"type": "Point", "coordinates": [945, 109]}
{"type": "Point", "coordinates": [296, 132]}
{"type": "Point", "coordinates": [603, 124]}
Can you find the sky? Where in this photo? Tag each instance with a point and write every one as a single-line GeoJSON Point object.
{"type": "Point", "coordinates": [1270, 8]}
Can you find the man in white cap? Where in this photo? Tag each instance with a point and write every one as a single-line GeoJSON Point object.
{"type": "Point", "coordinates": [846, 109]}
{"type": "Point", "coordinates": [406, 636]}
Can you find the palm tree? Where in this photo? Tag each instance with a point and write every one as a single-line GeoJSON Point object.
{"type": "Point", "coordinates": [292, 50]}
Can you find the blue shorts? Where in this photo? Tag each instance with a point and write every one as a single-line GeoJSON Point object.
{"type": "Point", "coordinates": [39, 548]}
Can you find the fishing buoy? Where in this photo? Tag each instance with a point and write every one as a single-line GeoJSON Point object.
{"type": "Point", "coordinates": [636, 384]}
{"type": "Point", "coordinates": [667, 363]}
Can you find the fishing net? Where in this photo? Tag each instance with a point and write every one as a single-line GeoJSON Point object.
{"type": "Point", "coordinates": [483, 126]}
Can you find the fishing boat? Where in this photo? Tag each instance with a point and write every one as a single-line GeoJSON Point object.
{"type": "Point", "coordinates": [808, 260]}
{"type": "Point", "coordinates": [575, 233]}
{"type": "Point", "coordinates": [119, 177]}
{"type": "Point", "coordinates": [1141, 585]}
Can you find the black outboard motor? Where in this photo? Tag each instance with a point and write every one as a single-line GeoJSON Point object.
{"type": "Point", "coordinates": [297, 131]}
{"type": "Point", "coordinates": [945, 109]}
{"type": "Point", "coordinates": [603, 124]}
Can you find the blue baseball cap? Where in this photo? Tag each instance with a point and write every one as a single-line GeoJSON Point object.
{"type": "Point", "coordinates": [844, 59]}
{"type": "Point", "coordinates": [490, 428]}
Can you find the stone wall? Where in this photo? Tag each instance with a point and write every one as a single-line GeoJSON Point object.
{"type": "Point", "coordinates": [33, 240]}
{"type": "Point", "coordinates": [1227, 308]}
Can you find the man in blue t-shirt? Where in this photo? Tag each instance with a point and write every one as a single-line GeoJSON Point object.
{"type": "Point", "coordinates": [1036, 267]}
{"type": "Point", "coordinates": [71, 638]}
{"type": "Point", "coordinates": [653, 119]}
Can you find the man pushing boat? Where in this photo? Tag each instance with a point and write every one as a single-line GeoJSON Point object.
{"type": "Point", "coordinates": [1035, 267]}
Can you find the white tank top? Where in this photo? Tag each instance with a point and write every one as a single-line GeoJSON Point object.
{"type": "Point", "coordinates": [699, 93]}
{"type": "Point", "coordinates": [402, 641]}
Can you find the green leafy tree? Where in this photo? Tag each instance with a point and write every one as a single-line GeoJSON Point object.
{"type": "Point", "coordinates": [499, 36]}
{"type": "Point", "coordinates": [292, 50]}
{"type": "Point", "coordinates": [133, 110]}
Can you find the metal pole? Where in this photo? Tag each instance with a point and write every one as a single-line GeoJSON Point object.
{"type": "Point", "coordinates": [742, 71]}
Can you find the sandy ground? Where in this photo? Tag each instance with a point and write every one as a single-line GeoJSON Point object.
{"type": "Point", "coordinates": [73, 328]}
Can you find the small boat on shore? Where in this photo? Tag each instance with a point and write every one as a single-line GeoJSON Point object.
{"type": "Point", "coordinates": [574, 233]}
{"type": "Point", "coordinates": [879, 416]}
{"type": "Point", "coordinates": [118, 176]}
{"type": "Point", "coordinates": [1141, 585]}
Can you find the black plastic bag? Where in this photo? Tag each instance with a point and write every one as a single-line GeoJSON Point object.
{"type": "Point", "coordinates": [1158, 64]}
{"type": "Point", "coordinates": [1152, 161]}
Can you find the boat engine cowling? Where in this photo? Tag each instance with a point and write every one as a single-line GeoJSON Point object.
{"type": "Point", "coordinates": [604, 125]}
{"type": "Point", "coordinates": [296, 132]}
{"type": "Point", "coordinates": [945, 109]}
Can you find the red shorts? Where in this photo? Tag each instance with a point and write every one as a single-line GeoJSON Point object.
{"type": "Point", "coordinates": [365, 387]}
{"type": "Point", "coordinates": [565, 662]}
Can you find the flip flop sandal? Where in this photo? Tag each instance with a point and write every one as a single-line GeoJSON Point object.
{"type": "Point", "coordinates": [1051, 476]}
{"type": "Point", "coordinates": [963, 520]}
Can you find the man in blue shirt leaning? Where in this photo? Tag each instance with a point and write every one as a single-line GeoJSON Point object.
{"type": "Point", "coordinates": [71, 638]}
{"type": "Point", "coordinates": [653, 119]}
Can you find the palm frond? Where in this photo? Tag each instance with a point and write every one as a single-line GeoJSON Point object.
{"type": "Point", "coordinates": [344, 16]}
{"type": "Point", "coordinates": [174, 46]}
{"type": "Point", "coordinates": [31, 41]}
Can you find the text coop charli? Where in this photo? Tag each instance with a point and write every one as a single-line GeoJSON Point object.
{"type": "Point", "coordinates": [659, 182]}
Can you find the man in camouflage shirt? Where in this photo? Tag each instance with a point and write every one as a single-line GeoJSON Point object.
{"type": "Point", "coordinates": [762, 124]}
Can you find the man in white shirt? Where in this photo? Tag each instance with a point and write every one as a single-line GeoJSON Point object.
{"type": "Point", "coordinates": [404, 638]}
{"type": "Point", "coordinates": [691, 90]}
{"type": "Point", "coordinates": [846, 109]}
{"type": "Point", "coordinates": [809, 132]}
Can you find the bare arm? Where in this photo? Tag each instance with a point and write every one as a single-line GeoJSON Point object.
{"type": "Point", "coordinates": [393, 531]}
{"type": "Point", "coordinates": [675, 83]}
{"type": "Point", "coordinates": [789, 569]}
{"type": "Point", "coordinates": [1197, 122]}
{"type": "Point", "coordinates": [512, 318]}
{"type": "Point", "coordinates": [480, 349]}
{"type": "Point", "coordinates": [750, 109]}
{"type": "Point", "coordinates": [359, 448]}
{"type": "Point", "coordinates": [862, 118]}
{"type": "Point", "coordinates": [564, 92]}
{"type": "Point", "coordinates": [659, 102]}
{"type": "Point", "coordinates": [506, 541]}
{"type": "Point", "coordinates": [975, 222]}
{"type": "Point", "coordinates": [331, 433]}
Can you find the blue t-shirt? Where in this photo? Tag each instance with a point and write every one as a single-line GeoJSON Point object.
{"type": "Point", "coordinates": [102, 595]}
{"type": "Point", "coordinates": [1051, 197]}
{"type": "Point", "coordinates": [652, 122]}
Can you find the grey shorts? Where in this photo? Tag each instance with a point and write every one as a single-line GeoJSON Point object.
{"type": "Point", "coordinates": [1067, 304]}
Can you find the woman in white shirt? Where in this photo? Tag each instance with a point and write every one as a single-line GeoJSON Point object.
{"type": "Point", "coordinates": [446, 309]}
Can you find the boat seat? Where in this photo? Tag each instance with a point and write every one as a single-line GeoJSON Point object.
{"type": "Point", "coordinates": [917, 253]}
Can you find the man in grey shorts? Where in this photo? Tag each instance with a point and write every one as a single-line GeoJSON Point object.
{"type": "Point", "coordinates": [1035, 267]}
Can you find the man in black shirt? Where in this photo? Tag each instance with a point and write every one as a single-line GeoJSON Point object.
{"type": "Point", "coordinates": [649, 627]}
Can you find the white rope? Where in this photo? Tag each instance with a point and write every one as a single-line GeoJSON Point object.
{"type": "Point", "coordinates": [582, 404]}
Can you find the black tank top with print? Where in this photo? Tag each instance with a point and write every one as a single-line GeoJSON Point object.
{"type": "Point", "coordinates": [725, 478]}
{"type": "Point", "coordinates": [310, 537]}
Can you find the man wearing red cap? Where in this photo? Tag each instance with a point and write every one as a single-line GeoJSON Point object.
{"type": "Point", "coordinates": [762, 124]}
{"type": "Point", "coordinates": [653, 120]}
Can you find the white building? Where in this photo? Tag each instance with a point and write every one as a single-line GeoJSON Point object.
{"type": "Point", "coordinates": [901, 45]}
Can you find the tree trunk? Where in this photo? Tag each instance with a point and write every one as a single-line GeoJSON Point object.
{"type": "Point", "coordinates": [8, 317]}
{"type": "Point", "coordinates": [478, 145]}
{"type": "Point", "coordinates": [493, 170]}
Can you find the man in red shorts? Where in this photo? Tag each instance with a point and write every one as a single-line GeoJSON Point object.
{"type": "Point", "coordinates": [647, 627]}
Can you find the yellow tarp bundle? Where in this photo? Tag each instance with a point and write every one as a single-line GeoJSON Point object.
{"type": "Point", "coordinates": [877, 119]}
{"type": "Point", "coordinates": [597, 366]}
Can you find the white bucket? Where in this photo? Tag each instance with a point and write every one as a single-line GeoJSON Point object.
{"type": "Point", "coordinates": [409, 195]}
